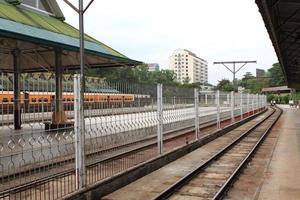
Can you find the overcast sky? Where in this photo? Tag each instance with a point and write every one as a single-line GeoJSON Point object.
{"type": "Point", "coordinates": [149, 31]}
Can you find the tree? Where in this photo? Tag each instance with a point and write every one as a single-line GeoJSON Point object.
{"type": "Point", "coordinates": [140, 75]}
{"type": "Point", "coordinates": [186, 81]}
{"type": "Point", "coordinates": [224, 85]}
{"type": "Point", "coordinates": [275, 76]}
{"type": "Point", "coordinates": [245, 80]}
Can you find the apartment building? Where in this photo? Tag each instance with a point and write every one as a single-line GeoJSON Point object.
{"type": "Point", "coordinates": [188, 66]}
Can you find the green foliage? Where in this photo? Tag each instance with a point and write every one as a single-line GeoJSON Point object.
{"type": "Point", "coordinates": [275, 76]}
{"type": "Point", "coordinates": [139, 74]}
{"type": "Point", "coordinates": [224, 85]}
{"type": "Point", "coordinates": [283, 98]}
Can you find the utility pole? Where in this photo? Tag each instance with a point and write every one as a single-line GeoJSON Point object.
{"type": "Point", "coordinates": [234, 71]}
{"type": "Point", "coordinates": [80, 158]}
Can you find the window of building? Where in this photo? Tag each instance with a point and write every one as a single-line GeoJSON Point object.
{"type": "Point", "coordinates": [41, 5]}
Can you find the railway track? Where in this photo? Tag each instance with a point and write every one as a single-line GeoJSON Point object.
{"type": "Point", "coordinates": [213, 178]}
{"type": "Point", "coordinates": [64, 169]}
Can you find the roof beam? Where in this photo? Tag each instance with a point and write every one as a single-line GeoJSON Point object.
{"type": "Point", "coordinates": [287, 19]}
{"type": "Point", "coordinates": [289, 1]}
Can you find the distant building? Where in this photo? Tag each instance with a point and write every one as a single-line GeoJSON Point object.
{"type": "Point", "coordinates": [188, 66]}
{"type": "Point", "coordinates": [260, 73]}
{"type": "Point", "coordinates": [153, 67]}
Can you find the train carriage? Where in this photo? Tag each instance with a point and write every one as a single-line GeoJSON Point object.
{"type": "Point", "coordinates": [44, 101]}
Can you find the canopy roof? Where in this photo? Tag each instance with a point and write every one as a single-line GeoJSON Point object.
{"type": "Point", "coordinates": [37, 35]}
{"type": "Point", "coordinates": [282, 20]}
{"type": "Point", "coordinates": [277, 89]}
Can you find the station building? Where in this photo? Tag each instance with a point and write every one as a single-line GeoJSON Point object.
{"type": "Point", "coordinates": [34, 37]}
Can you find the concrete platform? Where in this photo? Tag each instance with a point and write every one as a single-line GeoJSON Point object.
{"type": "Point", "coordinates": [282, 177]}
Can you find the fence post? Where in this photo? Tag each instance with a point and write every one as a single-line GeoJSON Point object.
{"type": "Point", "coordinates": [252, 103]}
{"type": "Point", "coordinates": [232, 106]}
{"type": "Point", "coordinates": [248, 102]}
{"type": "Point", "coordinates": [241, 104]}
{"type": "Point", "coordinates": [257, 101]}
{"type": "Point", "coordinates": [196, 95]}
{"type": "Point", "coordinates": [218, 109]}
{"type": "Point", "coordinates": [265, 101]}
{"type": "Point", "coordinates": [79, 137]}
{"type": "Point", "coordinates": [174, 102]}
{"type": "Point", "coordinates": [160, 119]}
{"type": "Point", "coordinates": [227, 100]}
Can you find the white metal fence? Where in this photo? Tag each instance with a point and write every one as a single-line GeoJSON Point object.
{"type": "Point", "coordinates": [125, 124]}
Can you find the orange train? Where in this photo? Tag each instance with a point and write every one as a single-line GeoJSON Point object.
{"type": "Point", "coordinates": [44, 101]}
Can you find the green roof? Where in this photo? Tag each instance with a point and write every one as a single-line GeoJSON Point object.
{"type": "Point", "coordinates": [29, 25]}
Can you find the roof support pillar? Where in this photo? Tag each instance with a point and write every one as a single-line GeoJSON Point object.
{"type": "Point", "coordinates": [59, 116]}
{"type": "Point", "coordinates": [17, 94]}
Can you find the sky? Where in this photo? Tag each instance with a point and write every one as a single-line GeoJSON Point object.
{"type": "Point", "coordinates": [149, 31]}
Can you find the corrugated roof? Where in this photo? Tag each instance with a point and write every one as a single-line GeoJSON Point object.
{"type": "Point", "coordinates": [282, 20]}
{"type": "Point", "coordinates": [41, 23]}
{"type": "Point", "coordinates": [276, 89]}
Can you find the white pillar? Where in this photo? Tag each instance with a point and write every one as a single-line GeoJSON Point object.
{"type": "Point", "coordinates": [248, 102]}
{"type": "Point", "coordinates": [252, 103]}
{"type": "Point", "coordinates": [257, 101]}
{"type": "Point", "coordinates": [160, 119]}
{"type": "Point", "coordinates": [232, 106]}
{"type": "Point", "coordinates": [196, 95]}
{"type": "Point", "coordinates": [218, 109]}
{"type": "Point", "coordinates": [241, 105]}
{"type": "Point", "coordinates": [79, 137]}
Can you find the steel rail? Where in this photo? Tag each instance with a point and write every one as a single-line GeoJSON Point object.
{"type": "Point", "coordinates": [230, 181]}
{"type": "Point", "coordinates": [188, 177]}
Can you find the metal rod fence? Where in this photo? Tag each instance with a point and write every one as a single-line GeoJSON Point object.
{"type": "Point", "coordinates": [121, 130]}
